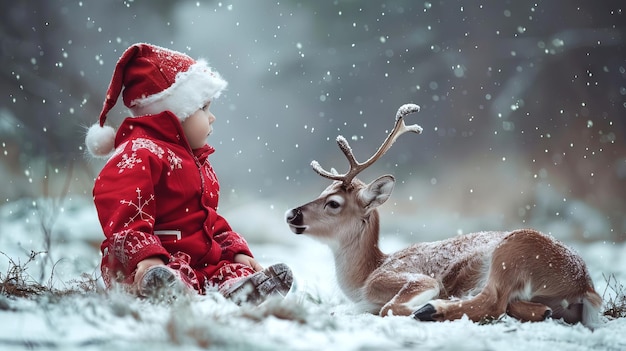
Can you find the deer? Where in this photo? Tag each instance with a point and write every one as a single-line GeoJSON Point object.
{"type": "Point", "coordinates": [484, 276]}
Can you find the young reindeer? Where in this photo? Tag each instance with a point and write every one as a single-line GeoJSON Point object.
{"type": "Point", "coordinates": [523, 273]}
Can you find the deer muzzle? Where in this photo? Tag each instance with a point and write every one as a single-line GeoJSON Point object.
{"type": "Point", "coordinates": [295, 219]}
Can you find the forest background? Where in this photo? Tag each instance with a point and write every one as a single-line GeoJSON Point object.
{"type": "Point", "coordinates": [523, 103]}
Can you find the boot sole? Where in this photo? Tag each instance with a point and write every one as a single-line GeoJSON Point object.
{"type": "Point", "coordinates": [275, 280]}
{"type": "Point", "coordinates": [160, 283]}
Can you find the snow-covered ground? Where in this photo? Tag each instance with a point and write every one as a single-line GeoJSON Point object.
{"type": "Point", "coordinates": [316, 316]}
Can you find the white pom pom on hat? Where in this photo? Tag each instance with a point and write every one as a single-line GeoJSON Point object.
{"type": "Point", "coordinates": [100, 141]}
{"type": "Point", "coordinates": [154, 79]}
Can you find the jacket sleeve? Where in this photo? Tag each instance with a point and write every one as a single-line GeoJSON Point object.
{"type": "Point", "coordinates": [231, 242]}
{"type": "Point", "coordinates": [124, 195]}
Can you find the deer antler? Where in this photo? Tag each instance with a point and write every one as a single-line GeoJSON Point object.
{"type": "Point", "coordinates": [356, 167]}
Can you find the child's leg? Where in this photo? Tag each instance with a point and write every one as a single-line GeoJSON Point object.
{"type": "Point", "coordinates": [180, 263]}
{"type": "Point", "coordinates": [228, 275]}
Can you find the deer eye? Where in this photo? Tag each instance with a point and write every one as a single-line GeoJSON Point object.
{"type": "Point", "coordinates": [333, 204]}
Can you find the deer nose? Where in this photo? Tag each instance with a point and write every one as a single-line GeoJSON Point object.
{"type": "Point", "coordinates": [294, 216]}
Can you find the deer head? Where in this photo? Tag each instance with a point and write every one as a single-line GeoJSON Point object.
{"type": "Point", "coordinates": [348, 204]}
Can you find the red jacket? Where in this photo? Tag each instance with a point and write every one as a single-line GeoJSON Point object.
{"type": "Point", "coordinates": [157, 197]}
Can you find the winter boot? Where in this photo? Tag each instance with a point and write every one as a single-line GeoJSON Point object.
{"type": "Point", "coordinates": [161, 283]}
{"type": "Point", "coordinates": [275, 280]}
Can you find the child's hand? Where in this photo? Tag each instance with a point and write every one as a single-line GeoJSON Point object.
{"type": "Point", "coordinates": [249, 261]}
{"type": "Point", "coordinates": [143, 265]}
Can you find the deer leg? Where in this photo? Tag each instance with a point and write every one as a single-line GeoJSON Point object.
{"type": "Point", "coordinates": [412, 295]}
{"type": "Point", "coordinates": [405, 296]}
{"type": "Point", "coordinates": [554, 276]}
{"type": "Point", "coordinates": [505, 280]}
{"type": "Point", "coordinates": [541, 275]}
{"type": "Point", "coordinates": [527, 311]}
{"type": "Point", "coordinates": [484, 305]}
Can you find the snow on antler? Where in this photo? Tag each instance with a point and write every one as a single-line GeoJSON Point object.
{"type": "Point", "coordinates": [406, 109]}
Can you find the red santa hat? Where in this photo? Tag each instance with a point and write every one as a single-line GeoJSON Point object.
{"type": "Point", "coordinates": [154, 79]}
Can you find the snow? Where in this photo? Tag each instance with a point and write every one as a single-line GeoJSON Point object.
{"type": "Point", "coordinates": [315, 316]}
{"type": "Point", "coordinates": [406, 109]}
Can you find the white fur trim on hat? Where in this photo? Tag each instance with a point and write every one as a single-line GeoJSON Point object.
{"type": "Point", "coordinates": [100, 141]}
{"type": "Point", "coordinates": [190, 91]}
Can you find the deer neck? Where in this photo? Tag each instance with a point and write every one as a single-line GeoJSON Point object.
{"type": "Point", "coordinates": [358, 257]}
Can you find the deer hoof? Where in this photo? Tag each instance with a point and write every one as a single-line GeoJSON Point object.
{"type": "Point", "coordinates": [425, 313]}
{"type": "Point", "coordinates": [547, 314]}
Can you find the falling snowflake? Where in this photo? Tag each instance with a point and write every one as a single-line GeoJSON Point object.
{"type": "Point", "coordinates": [128, 162]}
{"type": "Point", "coordinates": [139, 206]}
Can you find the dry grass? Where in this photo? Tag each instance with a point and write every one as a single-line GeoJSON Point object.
{"type": "Point", "coordinates": [17, 282]}
{"type": "Point", "coordinates": [615, 307]}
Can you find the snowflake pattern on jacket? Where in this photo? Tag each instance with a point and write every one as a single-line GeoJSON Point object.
{"type": "Point", "coordinates": [157, 197]}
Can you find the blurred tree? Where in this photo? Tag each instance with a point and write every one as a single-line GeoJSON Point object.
{"type": "Point", "coordinates": [50, 51]}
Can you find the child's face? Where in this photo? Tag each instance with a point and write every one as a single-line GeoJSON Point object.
{"type": "Point", "coordinates": [198, 126]}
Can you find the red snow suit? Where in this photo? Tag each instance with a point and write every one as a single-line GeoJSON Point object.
{"type": "Point", "coordinates": [157, 197]}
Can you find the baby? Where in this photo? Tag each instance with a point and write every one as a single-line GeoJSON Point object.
{"type": "Point", "coordinates": [157, 195]}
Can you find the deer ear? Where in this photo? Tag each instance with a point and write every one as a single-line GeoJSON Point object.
{"type": "Point", "coordinates": [377, 192]}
